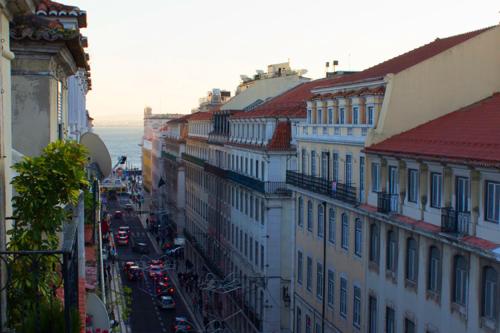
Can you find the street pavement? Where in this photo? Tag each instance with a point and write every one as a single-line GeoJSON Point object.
{"type": "Point", "coordinates": [146, 316]}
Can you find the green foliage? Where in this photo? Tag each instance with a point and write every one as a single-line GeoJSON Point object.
{"type": "Point", "coordinates": [44, 186]}
{"type": "Point", "coordinates": [51, 319]}
{"type": "Point", "coordinates": [89, 206]}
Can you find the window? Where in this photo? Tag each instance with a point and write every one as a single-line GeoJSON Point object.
{"type": "Point", "coordinates": [319, 118]}
{"type": "Point", "coordinates": [309, 274]}
{"type": "Point", "coordinates": [246, 203]}
{"type": "Point", "coordinates": [308, 324]}
{"type": "Point", "coordinates": [372, 314]}
{"type": "Point", "coordinates": [390, 320]}
{"type": "Point", "coordinates": [251, 167]}
{"type": "Point", "coordinates": [356, 318]}
{"type": "Point", "coordinates": [361, 178]}
{"type": "Point", "coordinates": [371, 115]}
{"type": "Point", "coordinates": [436, 189]}
{"type": "Point", "coordinates": [413, 185]}
{"type": "Point", "coordinates": [256, 253]}
{"type": "Point", "coordinates": [355, 115]}
{"type": "Point", "coordinates": [250, 250]}
{"type": "Point", "coordinates": [409, 326]}
{"type": "Point", "coordinates": [304, 161]}
{"type": "Point", "coordinates": [374, 243]}
{"type": "Point", "coordinates": [325, 159]}
{"type": "Point", "coordinates": [345, 231]}
{"type": "Point", "coordinates": [460, 280]}
{"type": "Point", "coordinates": [246, 244]}
{"type": "Point", "coordinates": [411, 260]}
{"type": "Point", "coordinates": [299, 321]}
{"type": "Point", "coordinates": [331, 225]}
{"type": "Point", "coordinates": [375, 177]}
{"type": "Point", "coordinates": [392, 250]}
{"type": "Point", "coordinates": [262, 257]}
{"type": "Point", "coordinates": [309, 216]}
{"type": "Point", "coordinates": [358, 237]}
{"type": "Point", "coordinates": [331, 288]}
{"type": "Point", "coordinates": [60, 124]}
{"type": "Point", "coordinates": [300, 217]}
{"type": "Point", "coordinates": [434, 274]}
{"type": "Point", "coordinates": [330, 115]}
{"type": "Point", "coordinates": [317, 328]}
{"type": "Point", "coordinates": [299, 267]}
{"type": "Point", "coordinates": [256, 168]}
{"type": "Point", "coordinates": [341, 116]}
{"type": "Point", "coordinates": [257, 207]}
{"type": "Point", "coordinates": [335, 167]}
{"type": "Point", "coordinates": [251, 206]}
{"type": "Point", "coordinates": [343, 297]}
{"type": "Point", "coordinates": [319, 280]}
{"type": "Point", "coordinates": [490, 277]}
{"type": "Point", "coordinates": [492, 202]}
{"type": "Point", "coordinates": [236, 239]}
{"type": "Point", "coordinates": [309, 119]}
{"type": "Point", "coordinates": [348, 169]}
{"type": "Point", "coordinates": [321, 220]}
{"type": "Point", "coordinates": [313, 163]}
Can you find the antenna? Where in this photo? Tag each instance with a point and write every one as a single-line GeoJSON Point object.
{"type": "Point", "coordinates": [335, 63]}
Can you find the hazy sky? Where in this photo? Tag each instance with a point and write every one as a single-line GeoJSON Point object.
{"type": "Point", "coordinates": [168, 53]}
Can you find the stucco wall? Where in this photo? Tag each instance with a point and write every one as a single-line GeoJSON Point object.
{"type": "Point", "coordinates": [453, 79]}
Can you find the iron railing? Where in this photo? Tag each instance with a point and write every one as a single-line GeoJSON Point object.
{"type": "Point", "coordinates": [455, 222]}
{"type": "Point", "coordinates": [335, 190]}
{"type": "Point", "coordinates": [217, 138]}
{"type": "Point", "coordinates": [278, 188]}
{"type": "Point", "coordinates": [215, 170]}
{"type": "Point", "coordinates": [193, 159]}
{"type": "Point", "coordinates": [387, 202]}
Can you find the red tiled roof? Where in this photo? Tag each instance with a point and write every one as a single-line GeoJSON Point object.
{"type": "Point", "coordinates": [182, 119]}
{"type": "Point", "coordinates": [406, 60]}
{"type": "Point", "coordinates": [291, 103]}
{"type": "Point", "coordinates": [202, 115]}
{"type": "Point", "coordinates": [469, 135]}
{"type": "Point", "coordinates": [52, 8]}
{"type": "Point", "coordinates": [281, 137]}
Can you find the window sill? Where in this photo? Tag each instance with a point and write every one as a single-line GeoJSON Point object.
{"type": "Point", "coordinates": [489, 324]}
{"type": "Point", "coordinates": [460, 310]}
{"type": "Point", "coordinates": [392, 276]}
{"type": "Point", "coordinates": [411, 285]}
{"type": "Point", "coordinates": [434, 296]}
{"type": "Point", "coordinates": [373, 266]}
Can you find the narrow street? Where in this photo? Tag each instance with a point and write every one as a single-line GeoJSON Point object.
{"type": "Point", "coordinates": [146, 315]}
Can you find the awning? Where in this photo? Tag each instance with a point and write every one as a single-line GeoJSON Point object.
{"type": "Point", "coordinates": [99, 154]}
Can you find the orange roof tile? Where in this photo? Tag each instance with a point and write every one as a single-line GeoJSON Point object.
{"type": "Point", "coordinates": [207, 115]}
{"type": "Point", "coordinates": [281, 137]}
{"type": "Point", "coordinates": [468, 135]}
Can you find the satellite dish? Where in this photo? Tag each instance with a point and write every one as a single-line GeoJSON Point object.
{"type": "Point", "coordinates": [98, 152]}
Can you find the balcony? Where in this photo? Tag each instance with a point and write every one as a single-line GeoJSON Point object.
{"type": "Point", "coordinates": [387, 202]}
{"type": "Point", "coordinates": [215, 170]}
{"type": "Point", "coordinates": [335, 190]}
{"type": "Point", "coordinates": [218, 138]}
{"type": "Point", "coordinates": [454, 222]}
{"type": "Point", "coordinates": [193, 159]}
{"type": "Point", "coordinates": [278, 188]}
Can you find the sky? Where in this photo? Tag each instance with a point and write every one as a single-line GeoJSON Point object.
{"type": "Point", "coordinates": [168, 53]}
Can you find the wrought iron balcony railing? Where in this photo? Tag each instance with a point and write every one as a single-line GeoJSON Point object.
{"type": "Point", "coordinates": [278, 188]}
{"type": "Point", "coordinates": [387, 202]}
{"type": "Point", "coordinates": [218, 138]}
{"type": "Point", "coordinates": [455, 222]}
{"type": "Point", "coordinates": [335, 190]}
{"type": "Point", "coordinates": [193, 159]}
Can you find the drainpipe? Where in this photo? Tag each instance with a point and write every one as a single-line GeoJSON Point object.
{"type": "Point", "coordinates": [324, 270]}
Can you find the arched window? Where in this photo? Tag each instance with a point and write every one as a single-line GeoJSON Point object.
{"type": "Point", "coordinates": [434, 275]}
{"type": "Point", "coordinates": [300, 217]}
{"type": "Point", "coordinates": [392, 251]}
{"type": "Point", "coordinates": [460, 280]}
{"type": "Point", "coordinates": [374, 243]}
{"type": "Point", "coordinates": [321, 220]}
{"type": "Point", "coordinates": [490, 278]}
{"type": "Point", "coordinates": [358, 237]}
{"type": "Point", "coordinates": [345, 231]}
{"type": "Point", "coordinates": [331, 225]}
{"type": "Point", "coordinates": [309, 215]}
{"type": "Point", "coordinates": [411, 259]}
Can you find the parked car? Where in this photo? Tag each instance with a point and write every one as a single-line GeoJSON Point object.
{"type": "Point", "coordinates": [129, 207]}
{"type": "Point", "coordinates": [128, 264]}
{"type": "Point", "coordinates": [134, 273]}
{"type": "Point", "coordinates": [118, 214]}
{"type": "Point", "coordinates": [125, 228]}
{"type": "Point", "coordinates": [166, 302]}
{"type": "Point", "coordinates": [140, 245]}
{"type": "Point", "coordinates": [182, 325]}
{"type": "Point", "coordinates": [164, 288]}
{"type": "Point", "coordinates": [122, 238]}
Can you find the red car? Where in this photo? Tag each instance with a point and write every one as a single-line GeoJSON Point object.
{"type": "Point", "coordinates": [122, 238]}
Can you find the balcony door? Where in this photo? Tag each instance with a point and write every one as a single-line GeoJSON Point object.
{"type": "Point", "coordinates": [393, 187]}
{"type": "Point", "coordinates": [462, 204]}
{"type": "Point", "coordinates": [325, 165]}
